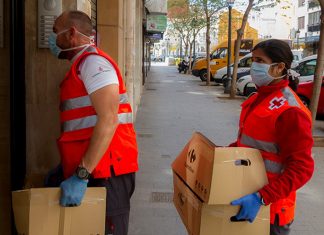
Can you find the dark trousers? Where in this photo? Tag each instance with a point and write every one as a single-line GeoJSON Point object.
{"type": "Point", "coordinates": [275, 229]}
{"type": "Point", "coordinates": [119, 191]}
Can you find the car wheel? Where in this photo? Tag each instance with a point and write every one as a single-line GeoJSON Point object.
{"type": "Point", "coordinates": [224, 78]}
{"type": "Point", "coordinates": [305, 100]}
{"type": "Point", "coordinates": [249, 89]}
{"type": "Point", "coordinates": [203, 75]}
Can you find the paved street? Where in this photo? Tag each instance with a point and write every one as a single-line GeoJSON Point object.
{"type": "Point", "coordinates": [173, 106]}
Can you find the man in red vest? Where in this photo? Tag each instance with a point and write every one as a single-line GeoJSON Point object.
{"type": "Point", "coordinates": [98, 143]}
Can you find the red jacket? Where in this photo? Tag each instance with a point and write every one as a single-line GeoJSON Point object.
{"type": "Point", "coordinates": [78, 118]}
{"type": "Point", "coordinates": [292, 135]}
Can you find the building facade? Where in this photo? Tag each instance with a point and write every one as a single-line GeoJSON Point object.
{"type": "Point", "coordinates": [272, 19]}
{"type": "Point", "coordinates": [30, 78]}
{"type": "Point", "coordinates": [306, 29]}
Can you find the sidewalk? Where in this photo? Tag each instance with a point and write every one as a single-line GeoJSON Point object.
{"type": "Point", "coordinates": [173, 106]}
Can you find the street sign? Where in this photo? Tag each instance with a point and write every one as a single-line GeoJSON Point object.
{"type": "Point", "coordinates": [157, 36]}
{"type": "Point", "coordinates": [156, 23]}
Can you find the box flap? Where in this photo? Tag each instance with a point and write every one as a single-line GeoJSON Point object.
{"type": "Point", "coordinates": [236, 173]}
{"type": "Point", "coordinates": [46, 216]}
{"type": "Point", "coordinates": [219, 175]}
{"type": "Point", "coordinates": [194, 165]}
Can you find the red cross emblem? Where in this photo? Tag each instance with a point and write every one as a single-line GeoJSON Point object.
{"type": "Point", "coordinates": [276, 103]}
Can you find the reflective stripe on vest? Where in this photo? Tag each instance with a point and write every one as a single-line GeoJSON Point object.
{"type": "Point", "coordinates": [273, 167]}
{"type": "Point", "coordinates": [84, 101]}
{"type": "Point", "coordinates": [90, 121]}
{"type": "Point", "coordinates": [259, 144]}
{"type": "Point", "coordinates": [290, 97]}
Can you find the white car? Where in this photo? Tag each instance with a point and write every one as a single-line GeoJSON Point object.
{"type": "Point", "coordinates": [243, 66]}
{"type": "Point", "coordinates": [245, 86]}
{"type": "Point", "coordinates": [306, 68]}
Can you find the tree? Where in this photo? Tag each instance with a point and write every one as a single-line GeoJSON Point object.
{"type": "Point", "coordinates": [197, 24]}
{"type": "Point", "coordinates": [318, 77]}
{"type": "Point", "coordinates": [210, 9]}
{"type": "Point", "coordinates": [180, 17]}
{"type": "Point", "coordinates": [187, 21]}
{"type": "Point", "coordinates": [240, 33]}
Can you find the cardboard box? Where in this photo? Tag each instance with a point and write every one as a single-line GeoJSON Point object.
{"type": "Point", "coordinates": [37, 212]}
{"type": "Point", "coordinates": [201, 218]}
{"type": "Point", "coordinates": [207, 178]}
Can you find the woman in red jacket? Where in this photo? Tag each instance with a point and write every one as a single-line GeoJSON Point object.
{"type": "Point", "coordinates": [275, 121]}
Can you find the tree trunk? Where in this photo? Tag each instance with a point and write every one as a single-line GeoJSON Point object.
{"type": "Point", "coordinates": [190, 58]}
{"type": "Point", "coordinates": [240, 33]}
{"type": "Point", "coordinates": [208, 50]}
{"type": "Point", "coordinates": [318, 77]}
{"type": "Point", "coordinates": [187, 42]}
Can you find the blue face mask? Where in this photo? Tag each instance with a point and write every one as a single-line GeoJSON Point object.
{"type": "Point", "coordinates": [56, 50]}
{"type": "Point", "coordinates": [260, 74]}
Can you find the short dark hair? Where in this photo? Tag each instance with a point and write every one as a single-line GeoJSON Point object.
{"type": "Point", "coordinates": [81, 21]}
{"type": "Point", "coordinates": [279, 52]}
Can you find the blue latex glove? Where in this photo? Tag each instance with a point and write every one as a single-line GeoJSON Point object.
{"type": "Point", "coordinates": [72, 191]}
{"type": "Point", "coordinates": [250, 206]}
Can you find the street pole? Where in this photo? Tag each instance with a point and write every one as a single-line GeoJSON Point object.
{"type": "Point", "coordinates": [229, 49]}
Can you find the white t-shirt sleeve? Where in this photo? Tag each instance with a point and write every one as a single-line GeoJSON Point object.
{"type": "Point", "coordinates": [97, 72]}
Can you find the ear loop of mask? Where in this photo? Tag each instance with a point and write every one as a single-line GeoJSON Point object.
{"type": "Point", "coordinates": [78, 47]}
{"type": "Point", "coordinates": [280, 76]}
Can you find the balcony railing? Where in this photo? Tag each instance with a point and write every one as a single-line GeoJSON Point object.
{"type": "Point", "coordinates": [314, 28]}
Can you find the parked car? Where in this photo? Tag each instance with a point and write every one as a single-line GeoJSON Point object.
{"type": "Point", "coordinates": [243, 66]}
{"type": "Point", "coordinates": [245, 86]}
{"type": "Point", "coordinates": [305, 91]}
{"type": "Point", "coordinates": [306, 68]}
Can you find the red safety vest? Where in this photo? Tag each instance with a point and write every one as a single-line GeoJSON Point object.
{"type": "Point", "coordinates": [257, 130]}
{"type": "Point", "coordinates": [78, 118]}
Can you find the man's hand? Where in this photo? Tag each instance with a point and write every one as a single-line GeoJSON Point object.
{"type": "Point", "coordinates": [72, 191]}
{"type": "Point", "coordinates": [250, 206]}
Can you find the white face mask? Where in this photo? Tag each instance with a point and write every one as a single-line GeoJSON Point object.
{"type": "Point", "coordinates": [260, 74]}
{"type": "Point", "coordinates": [56, 50]}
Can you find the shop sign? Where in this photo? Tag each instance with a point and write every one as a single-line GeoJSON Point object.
{"type": "Point", "coordinates": [156, 23]}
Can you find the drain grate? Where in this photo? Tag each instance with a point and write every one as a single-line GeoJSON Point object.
{"type": "Point", "coordinates": [165, 156]}
{"type": "Point", "coordinates": [145, 135]}
{"type": "Point", "coordinates": [166, 197]}
{"type": "Point", "coordinates": [151, 89]}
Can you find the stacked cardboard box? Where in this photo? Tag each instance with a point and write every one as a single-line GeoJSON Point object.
{"type": "Point", "coordinates": [207, 178]}
{"type": "Point", "coordinates": [37, 212]}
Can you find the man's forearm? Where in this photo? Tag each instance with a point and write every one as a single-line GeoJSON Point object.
{"type": "Point", "coordinates": [102, 135]}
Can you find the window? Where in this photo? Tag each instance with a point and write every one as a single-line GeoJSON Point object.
{"type": "Point", "coordinates": [220, 53]}
{"type": "Point", "coordinates": [314, 21]}
{"type": "Point", "coordinates": [314, 18]}
{"type": "Point", "coordinates": [313, 4]}
{"type": "Point", "coordinates": [301, 22]}
{"type": "Point", "coordinates": [301, 3]}
{"type": "Point", "coordinates": [245, 62]}
{"type": "Point", "coordinates": [307, 68]}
